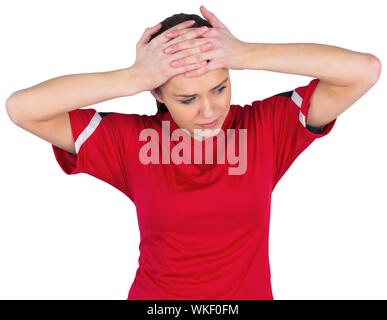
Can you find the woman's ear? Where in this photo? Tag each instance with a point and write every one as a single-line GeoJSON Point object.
{"type": "Point", "coordinates": [157, 95]}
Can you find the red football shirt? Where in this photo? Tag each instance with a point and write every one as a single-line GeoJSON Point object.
{"type": "Point", "coordinates": [204, 232]}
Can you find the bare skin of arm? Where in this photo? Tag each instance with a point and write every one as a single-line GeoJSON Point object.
{"type": "Point", "coordinates": [43, 109]}
{"type": "Point", "coordinates": [54, 97]}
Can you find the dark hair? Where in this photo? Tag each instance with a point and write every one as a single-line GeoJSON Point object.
{"type": "Point", "coordinates": [169, 23]}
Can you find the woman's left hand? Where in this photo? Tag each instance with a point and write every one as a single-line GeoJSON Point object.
{"type": "Point", "coordinates": [226, 50]}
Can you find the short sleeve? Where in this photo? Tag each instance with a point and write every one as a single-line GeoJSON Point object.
{"type": "Point", "coordinates": [99, 146]}
{"type": "Point", "coordinates": [286, 113]}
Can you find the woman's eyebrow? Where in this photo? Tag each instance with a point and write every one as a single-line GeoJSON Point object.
{"type": "Point", "coordinates": [192, 95]}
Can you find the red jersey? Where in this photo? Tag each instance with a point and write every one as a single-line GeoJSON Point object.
{"type": "Point", "coordinates": [203, 231]}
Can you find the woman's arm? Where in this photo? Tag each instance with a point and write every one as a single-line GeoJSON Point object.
{"type": "Point", "coordinates": [344, 75]}
{"type": "Point", "coordinates": [53, 97]}
{"type": "Point", "coordinates": [331, 64]}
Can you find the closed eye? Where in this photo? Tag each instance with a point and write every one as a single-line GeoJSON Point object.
{"type": "Point", "coordinates": [188, 101]}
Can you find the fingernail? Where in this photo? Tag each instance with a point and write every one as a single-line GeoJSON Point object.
{"type": "Point", "coordinates": [169, 49]}
{"type": "Point", "coordinates": [202, 29]}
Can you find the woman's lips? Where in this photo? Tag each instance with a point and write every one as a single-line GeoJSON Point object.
{"type": "Point", "coordinates": [210, 125]}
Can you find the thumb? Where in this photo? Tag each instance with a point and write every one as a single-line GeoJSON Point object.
{"type": "Point", "coordinates": [212, 18]}
{"type": "Point", "coordinates": [148, 33]}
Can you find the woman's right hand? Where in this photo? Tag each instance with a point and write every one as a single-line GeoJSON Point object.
{"type": "Point", "coordinates": [153, 65]}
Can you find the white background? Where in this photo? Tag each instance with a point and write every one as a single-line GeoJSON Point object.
{"type": "Point", "coordinates": [76, 237]}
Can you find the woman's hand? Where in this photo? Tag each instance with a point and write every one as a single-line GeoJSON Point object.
{"type": "Point", "coordinates": [226, 51]}
{"type": "Point", "coordinates": [153, 65]}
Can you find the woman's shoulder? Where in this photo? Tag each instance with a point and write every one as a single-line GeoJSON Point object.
{"type": "Point", "coordinates": [138, 119]}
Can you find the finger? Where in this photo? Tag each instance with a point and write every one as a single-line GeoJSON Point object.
{"type": "Point", "coordinates": [184, 36]}
{"type": "Point", "coordinates": [176, 33]}
{"type": "Point", "coordinates": [172, 34]}
{"type": "Point", "coordinates": [215, 22]}
{"type": "Point", "coordinates": [209, 66]}
{"type": "Point", "coordinates": [191, 67]}
{"type": "Point", "coordinates": [196, 57]}
{"type": "Point", "coordinates": [162, 38]}
{"type": "Point", "coordinates": [204, 44]}
{"type": "Point", "coordinates": [213, 63]}
{"type": "Point", "coordinates": [198, 72]}
{"type": "Point", "coordinates": [148, 33]}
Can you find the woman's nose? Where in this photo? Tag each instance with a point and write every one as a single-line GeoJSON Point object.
{"type": "Point", "coordinates": [207, 111]}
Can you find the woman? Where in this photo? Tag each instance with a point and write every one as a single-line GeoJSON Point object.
{"type": "Point", "coordinates": [203, 215]}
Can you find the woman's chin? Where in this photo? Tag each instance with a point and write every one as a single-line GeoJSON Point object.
{"type": "Point", "coordinates": [201, 134]}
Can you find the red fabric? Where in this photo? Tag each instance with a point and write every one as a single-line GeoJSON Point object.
{"type": "Point", "coordinates": [204, 232]}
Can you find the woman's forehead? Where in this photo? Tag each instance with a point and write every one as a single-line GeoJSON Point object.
{"type": "Point", "coordinates": [182, 84]}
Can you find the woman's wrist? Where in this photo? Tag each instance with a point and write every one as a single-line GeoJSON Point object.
{"type": "Point", "coordinates": [128, 81]}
